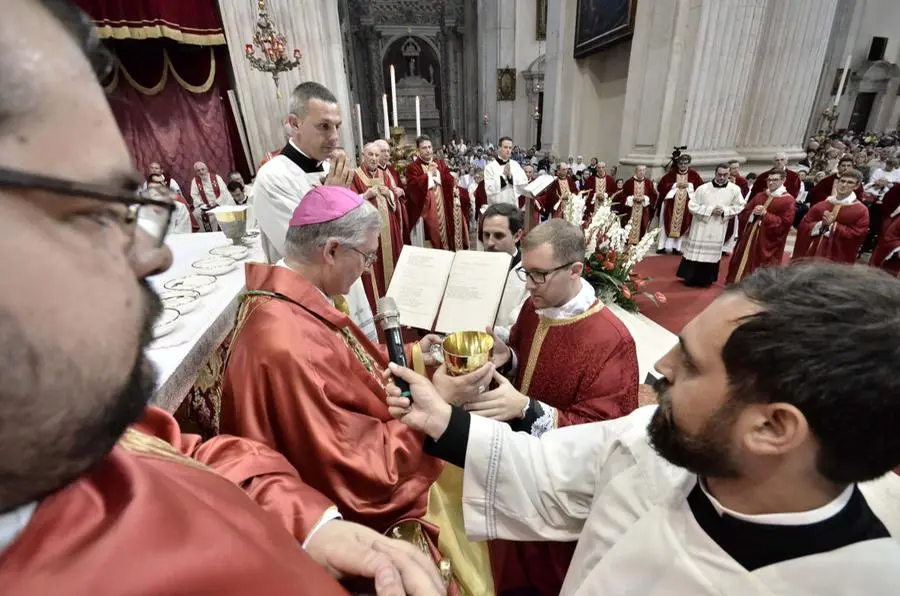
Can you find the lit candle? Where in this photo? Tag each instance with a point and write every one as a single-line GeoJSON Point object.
{"type": "Point", "coordinates": [359, 127]}
{"type": "Point", "coordinates": [840, 90]}
{"type": "Point", "coordinates": [387, 126]}
{"type": "Point", "coordinates": [418, 120]}
{"type": "Point", "coordinates": [394, 94]}
{"type": "Point", "coordinates": [249, 49]}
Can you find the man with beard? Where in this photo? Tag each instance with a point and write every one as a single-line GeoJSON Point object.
{"type": "Point", "coordinates": [99, 493]}
{"type": "Point", "coordinates": [750, 477]}
{"type": "Point", "coordinates": [208, 191]}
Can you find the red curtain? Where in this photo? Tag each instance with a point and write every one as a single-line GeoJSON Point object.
{"type": "Point", "coordinates": [175, 127]}
{"type": "Point", "coordinates": [187, 21]}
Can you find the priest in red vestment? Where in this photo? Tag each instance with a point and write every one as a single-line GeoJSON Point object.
{"type": "Point", "coordinates": [433, 197]}
{"type": "Point", "coordinates": [828, 186]}
{"type": "Point", "coordinates": [890, 207]}
{"type": "Point", "coordinates": [835, 228]}
{"type": "Point", "coordinates": [527, 204]}
{"type": "Point", "coordinates": [392, 179]}
{"type": "Point", "coordinates": [792, 182]}
{"type": "Point", "coordinates": [763, 228]}
{"type": "Point", "coordinates": [675, 190]}
{"type": "Point", "coordinates": [604, 187]}
{"type": "Point", "coordinates": [208, 191]}
{"type": "Point", "coordinates": [887, 252]}
{"type": "Point", "coordinates": [635, 203]}
{"type": "Point", "coordinates": [371, 182]}
{"type": "Point", "coordinates": [598, 381]}
{"type": "Point", "coordinates": [553, 200]}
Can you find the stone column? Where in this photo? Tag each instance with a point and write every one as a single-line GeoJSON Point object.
{"type": "Point", "coordinates": [788, 68]}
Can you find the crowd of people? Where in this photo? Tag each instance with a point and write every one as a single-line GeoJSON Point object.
{"type": "Point", "coordinates": [764, 463]}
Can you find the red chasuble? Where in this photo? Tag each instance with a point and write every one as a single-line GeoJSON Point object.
{"type": "Point", "coordinates": [792, 184]}
{"type": "Point", "coordinates": [675, 215]}
{"type": "Point", "coordinates": [601, 383]}
{"type": "Point", "coordinates": [828, 188]}
{"type": "Point", "coordinates": [302, 378]}
{"type": "Point", "coordinates": [390, 239]}
{"type": "Point", "coordinates": [890, 202]}
{"type": "Point", "coordinates": [392, 179]}
{"type": "Point", "coordinates": [846, 236]}
{"type": "Point", "coordinates": [601, 185]}
{"type": "Point", "coordinates": [888, 241]}
{"type": "Point", "coordinates": [165, 513]}
{"type": "Point", "coordinates": [445, 225]}
{"type": "Point", "coordinates": [553, 200]}
{"type": "Point", "coordinates": [637, 215]}
{"type": "Point", "coordinates": [761, 241]}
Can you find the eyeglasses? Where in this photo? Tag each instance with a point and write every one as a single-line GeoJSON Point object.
{"type": "Point", "coordinates": [369, 259]}
{"type": "Point", "coordinates": [150, 209]}
{"type": "Point", "coordinates": [539, 277]}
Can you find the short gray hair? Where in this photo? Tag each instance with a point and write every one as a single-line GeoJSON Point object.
{"type": "Point", "coordinates": [566, 240]}
{"type": "Point", "coordinates": [302, 242]}
{"type": "Point", "coordinates": [306, 91]}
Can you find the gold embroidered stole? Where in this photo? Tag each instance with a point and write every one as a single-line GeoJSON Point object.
{"type": "Point", "coordinates": [816, 243]}
{"type": "Point", "coordinates": [678, 209]}
{"type": "Point", "coordinates": [637, 212]}
{"type": "Point", "coordinates": [141, 443]}
{"type": "Point", "coordinates": [439, 206]}
{"type": "Point", "coordinates": [387, 240]}
{"type": "Point", "coordinates": [751, 239]}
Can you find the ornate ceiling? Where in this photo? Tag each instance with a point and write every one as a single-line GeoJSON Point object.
{"type": "Point", "coordinates": [406, 12]}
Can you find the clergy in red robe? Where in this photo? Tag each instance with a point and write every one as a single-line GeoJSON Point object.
{"type": "Point", "coordinates": [604, 187]}
{"type": "Point", "coordinates": [480, 196]}
{"type": "Point", "coordinates": [558, 193]}
{"type": "Point", "coordinates": [828, 186]}
{"type": "Point", "coordinates": [792, 182]}
{"type": "Point", "coordinates": [433, 197]}
{"type": "Point", "coordinates": [887, 252]}
{"type": "Point", "coordinates": [835, 228]}
{"type": "Point", "coordinates": [369, 181]}
{"type": "Point", "coordinates": [635, 203]}
{"type": "Point", "coordinates": [675, 190]}
{"type": "Point", "coordinates": [562, 316]}
{"type": "Point", "coordinates": [763, 228]}
{"type": "Point", "coordinates": [302, 377]}
{"type": "Point", "coordinates": [890, 207]}
{"type": "Point", "coordinates": [392, 179]}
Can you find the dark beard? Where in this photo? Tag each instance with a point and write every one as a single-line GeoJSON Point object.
{"type": "Point", "coordinates": [706, 454]}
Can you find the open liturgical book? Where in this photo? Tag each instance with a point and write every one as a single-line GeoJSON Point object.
{"type": "Point", "coordinates": [443, 291]}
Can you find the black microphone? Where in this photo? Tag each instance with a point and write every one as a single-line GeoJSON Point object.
{"type": "Point", "coordinates": [389, 319]}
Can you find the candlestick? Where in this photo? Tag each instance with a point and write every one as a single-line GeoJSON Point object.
{"type": "Point", "coordinates": [418, 120]}
{"type": "Point", "coordinates": [840, 90]}
{"type": "Point", "coordinates": [394, 94]}
{"type": "Point", "coordinates": [387, 126]}
{"type": "Point", "coordinates": [359, 128]}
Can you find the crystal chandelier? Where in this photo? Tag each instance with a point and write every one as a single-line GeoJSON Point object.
{"type": "Point", "coordinates": [271, 45]}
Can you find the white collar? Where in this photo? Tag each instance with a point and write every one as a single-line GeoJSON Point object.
{"type": "Point", "coordinates": [800, 518]}
{"type": "Point", "coordinates": [582, 301]}
{"type": "Point", "coordinates": [778, 191]}
{"type": "Point", "coordinates": [845, 201]}
{"type": "Point", "coordinates": [13, 522]}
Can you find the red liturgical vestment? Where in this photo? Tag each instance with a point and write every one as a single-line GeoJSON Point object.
{"type": "Point", "coordinates": [445, 225]}
{"type": "Point", "coordinates": [888, 242]}
{"type": "Point", "coordinates": [761, 240]}
{"type": "Point", "coordinates": [839, 242]}
{"type": "Point", "coordinates": [165, 513]}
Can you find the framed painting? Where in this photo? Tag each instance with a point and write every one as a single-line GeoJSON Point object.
{"type": "Point", "coordinates": [506, 84]}
{"type": "Point", "coordinates": [602, 23]}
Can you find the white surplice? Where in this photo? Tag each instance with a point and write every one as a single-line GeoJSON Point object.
{"type": "Point", "coordinates": [706, 236]}
{"type": "Point", "coordinates": [602, 484]}
{"type": "Point", "coordinates": [278, 189]}
{"type": "Point", "coordinates": [495, 190]}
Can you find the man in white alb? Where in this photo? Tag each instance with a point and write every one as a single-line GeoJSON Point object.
{"type": "Point", "coordinates": [745, 480]}
{"type": "Point", "coordinates": [504, 178]}
{"type": "Point", "coordinates": [283, 181]}
{"type": "Point", "coordinates": [501, 232]}
{"type": "Point", "coordinates": [208, 191]}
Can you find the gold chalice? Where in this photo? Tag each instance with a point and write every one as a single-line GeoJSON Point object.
{"type": "Point", "coordinates": [465, 351]}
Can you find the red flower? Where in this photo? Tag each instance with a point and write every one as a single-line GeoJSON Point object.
{"type": "Point", "coordinates": [609, 265]}
{"type": "Point", "coordinates": [660, 297]}
{"type": "Point", "coordinates": [587, 269]}
{"type": "Point", "coordinates": [626, 292]}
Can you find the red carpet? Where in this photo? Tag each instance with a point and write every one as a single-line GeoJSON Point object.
{"type": "Point", "coordinates": [682, 303]}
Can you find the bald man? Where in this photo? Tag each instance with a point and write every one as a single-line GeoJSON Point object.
{"type": "Point", "coordinates": [792, 181]}
{"type": "Point", "coordinates": [208, 191]}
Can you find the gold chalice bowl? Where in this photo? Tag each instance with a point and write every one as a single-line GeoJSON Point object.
{"type": "Point", "coordinates": [465, 351]}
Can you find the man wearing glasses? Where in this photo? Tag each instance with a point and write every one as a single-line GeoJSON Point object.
{"type": "Point", "coordinates": [570, 360]}
{"type": "Point", "coordinates": [92, 479]}
{"type": "Point", "coordinates": [835, 228]}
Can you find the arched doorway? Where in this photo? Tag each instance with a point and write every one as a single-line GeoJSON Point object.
{"type": "Point", "coordinates": [418, 73]}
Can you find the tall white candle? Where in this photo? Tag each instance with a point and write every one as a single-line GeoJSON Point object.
{"type": "Point", "coordinates": [394, 94]}
{"type": "Point", "coordinates": [418, 119]}
{"type": "Point", "coordinates": [840, 91]}
{"type": "Point", "coordinates": [359, 128]}
{"type": "Point", "coordinates": [387, 126]}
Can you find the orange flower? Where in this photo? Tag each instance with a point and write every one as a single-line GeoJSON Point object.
{"type": "Point", "coordinates": [660, 297]}
{"type": "Point", "coordinates": [609, 265]}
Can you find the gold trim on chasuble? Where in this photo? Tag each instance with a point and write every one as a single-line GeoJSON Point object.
{"type": "Point", "coordinates": [140, 443]}
{"type": "Point", "coordinates": [439, 207]}
{"type": "Point", "coordinates": [817, 241]}
{"type": "Point", "coordinates": [637, 213]}
{"type": "Point", "coordinates": [457, 222]}
{"type": "Point", "coordinates": [386, 241]}
{"type": "Point", "coordinates": [680, 199]}
{"type": "Point", "coordinates": [754, 233]}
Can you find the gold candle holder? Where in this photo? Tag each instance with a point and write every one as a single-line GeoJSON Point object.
{"type": "Point", "coordinates": [466, 351]}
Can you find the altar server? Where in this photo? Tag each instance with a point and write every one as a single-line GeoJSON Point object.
{"type": "Point", "coordinates": [504, 178]}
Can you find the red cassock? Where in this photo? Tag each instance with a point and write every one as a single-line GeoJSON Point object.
{"type": "Point", "coordinates": [745, 188]}
{"type": "Point", "coordinates": [827, 188]}
{"type": "Point", "coordinates": [890, 202]}
{"type": "Point", "coordinates": [633, 188]}
{"type": "Point", "coordinates": [553, 199]}
{"type": "Point", "coordinates": [601, 384]}
{"type": "Point", "coordinates": [390, 239]}
{"type": "Point", "coordinates": [675, 214]}
{"type": "Point", "coordinates": [761, 241]}
{"type": "Point", "coordinates": [392, 179]}
{"type": "Point", "coordinates": [847, 234]}
{"type": "Point", "coordinates": [888, 241]}
{"type": "Point", "coordinates": [600, 186]}
{"type": "Point", "coordinates": [792, 184]}
{"type": "Point", "coordinates": [302, 378]}
{"type": "Point", "coordinates": [165, 513]}
{"type": "Point", "coordinates": [445, 226]}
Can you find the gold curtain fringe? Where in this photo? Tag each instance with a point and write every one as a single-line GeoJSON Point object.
{"type": "Point", "coordinates": [167, 67]}
{"type": "Point", "coordinates": [158, 31]}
